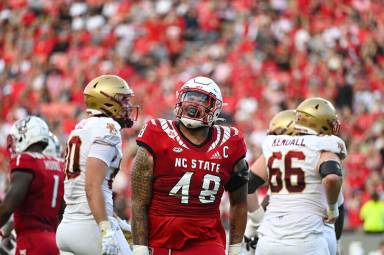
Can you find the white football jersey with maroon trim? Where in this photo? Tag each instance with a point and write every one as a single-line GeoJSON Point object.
{"type": "Point", "coordinates": [297, 204]}
{"type": "Point", "coordinates": [101, 131]}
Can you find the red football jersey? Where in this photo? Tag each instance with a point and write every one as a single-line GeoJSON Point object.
{"type": "Point", "coordinates": [189, 181]}
{"type": "Point", "coordinates": [41, 206]}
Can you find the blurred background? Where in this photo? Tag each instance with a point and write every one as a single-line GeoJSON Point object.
{"type": "Point", "coordinates": [265, 55]}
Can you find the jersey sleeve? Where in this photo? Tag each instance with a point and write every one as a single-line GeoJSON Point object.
{"type": "Point", "coordinates": [23, 162]}
{"type": "Point", "coordinates": [237, 152]}
{"type": "Point", "coordinates": [148, 135]}
{"type": "Point", "coordinates": [103, 152]}
{"type": "Point", "coordinates": [239, 145]}
{"type": "Point", "coordinates": [329, 143]}
{"type": "Point", "coordinates": [106, 140]}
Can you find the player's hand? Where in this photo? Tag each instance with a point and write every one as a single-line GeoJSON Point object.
{"type": "Point", "coordinates": [251, 229]}
{"type": "Point", "coordinates": [141, 250]}
{"type": "Point", "coordinates": [332, 214]}
{"type": "Point", "coordinates": [126, 228]}
{"type": "Point", "coordinates": [109, 244]}
{"type": "Point", "coordinates": [250, 235]}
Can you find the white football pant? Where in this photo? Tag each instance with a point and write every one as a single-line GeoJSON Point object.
{"type": "Point", "coordinates": [314, 244]}
{"type": "Point", "coordinates": [330, 236]}
{"type": "Point", "coordinates": [83, 238]}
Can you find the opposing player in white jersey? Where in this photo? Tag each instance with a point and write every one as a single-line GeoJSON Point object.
{"type": "Point", "coordinates": [332, 231]}
{"type": "Point", "coordinates": [299, 170]}
{"type": "Point", "coordinates": [281, 124]}
{"type": "Point", "coordinates": [93, 156]}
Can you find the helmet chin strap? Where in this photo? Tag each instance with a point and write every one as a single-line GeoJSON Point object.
{"type": "Point", "coordinates": [125, 123]}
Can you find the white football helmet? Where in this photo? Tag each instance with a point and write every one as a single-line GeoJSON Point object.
{"type": "Point", "coordinates": [53, 148]}
{"type": "Point", "coordinates": [26, 132]}
{"type": "Point", "coordinates": [199, 102]}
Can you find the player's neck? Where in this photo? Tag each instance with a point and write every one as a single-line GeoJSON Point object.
{"type": "Point", "coordinates": [196, 136]}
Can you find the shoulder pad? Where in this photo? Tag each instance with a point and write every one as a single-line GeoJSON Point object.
{"type": "Point", "coordinates": [329, 143]}
{"type": "Point", "coordinates": [81, 124]}
{"type": "Point", "coordinates": [227, 133]}
{"type": "Point", "coordinates": [153, 125]}
{"type": "Point", "coordinates": [25, 160]}
{"type": "Point", "coordinates": [105, 131]}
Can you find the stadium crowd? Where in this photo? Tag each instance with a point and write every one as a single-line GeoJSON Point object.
{"type": "Point", "coordinates": [265, 55]}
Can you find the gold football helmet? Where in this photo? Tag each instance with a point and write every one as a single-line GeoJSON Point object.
{"type": "Point", "coordinates": [110, 95]}
{"type": "Point", "coordinates": [317, 116]}
{"type": "Point", "coordinates": [283, 123]}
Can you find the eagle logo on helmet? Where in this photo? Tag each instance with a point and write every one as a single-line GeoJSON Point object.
{"type": "Point", "coordinates": [22, 125]}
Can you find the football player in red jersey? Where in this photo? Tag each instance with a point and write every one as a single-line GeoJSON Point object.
{"type": "Point", "coordinates": [36, 191]}
{"type": "Point", "coordinates": [180, 172]}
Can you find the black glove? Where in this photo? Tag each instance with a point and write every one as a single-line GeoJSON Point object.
{"type": "Point", "coordinates": [7, 245]}
{"type": "Point", "coordinates": [250, 243]}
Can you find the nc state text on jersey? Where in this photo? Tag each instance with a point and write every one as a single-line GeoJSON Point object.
{"type": "Point", "coordinates": [287, 142]}
{"type": "Point", "coordinates": [197, 164]}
